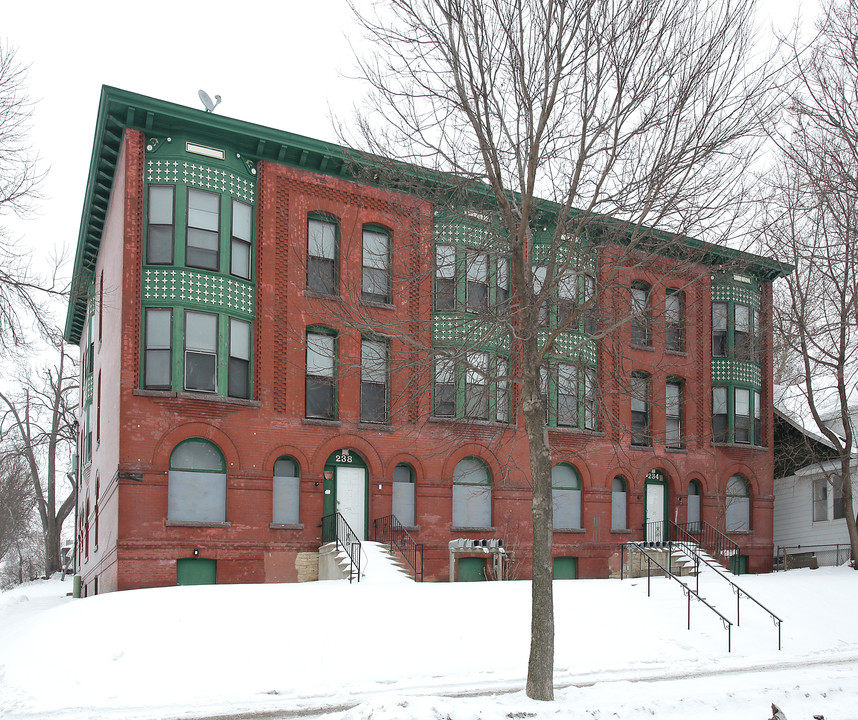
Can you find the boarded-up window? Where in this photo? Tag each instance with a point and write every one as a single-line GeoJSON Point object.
{"type": "Point", "coordinates": [618, 504]}
{"type": "Point", "coordinates": [286, 492]}
{"type": "Point", "coordinates": [738, 499]}
{"type": "Point", "coordinates": [472, 494]}
{"type": "Point", "coordinates": [197, 483]}
{"type": "Point", "coordinates": [403, 494]}
{"type": "Point", "coordinates": [566, 496]}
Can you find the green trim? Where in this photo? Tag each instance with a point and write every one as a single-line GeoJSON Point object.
{"type": "Point", "coordinates": [120, 109]}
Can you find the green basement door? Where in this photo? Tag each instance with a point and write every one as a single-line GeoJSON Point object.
{"type": "Point", "coordinates": [196, 571]}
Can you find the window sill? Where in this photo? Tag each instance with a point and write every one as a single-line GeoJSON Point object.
{"type": "Point", "coordinates": [470, 421]}
{"type": "Point", "coordinates": [321, 296]}
{"type": "Point", "coordinates": [740, 532]}
{"type": "Point", "coordinates": [574, 430]}
{"type": "Point", "coordinates": [645, 448]}
{"type": "Point", "coordinates": [647, 348]}
{"type": "Point", "coordinates": [621, 531]}
{"type": "Point", "coordinates": [208, 397]}
{"type": "Point", "coordinates": [677, 353]}
{"type": "Point", "coordinates": [739, 446]}
{"type": "Point", "coordinates": [456, 528]}
{"type": "Point", "coordinates": [286, 526]}
{"type": "Point", "coordinates": [676, 450]}
{"type": "Point", "coordinates": [321, 421]}
{"type": "Point", "coordinates": [382, 427]}
{"type": "Point", "coordinates": [577, 531]}
{"type": "Point", "coordinates": [196, 523]}
{"type": "Point", "coordinates": [376, 304]}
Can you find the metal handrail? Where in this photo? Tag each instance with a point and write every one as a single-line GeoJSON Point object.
{"type": "Point", "coordinates": [335, 529]}
{"type": "Point", "coordinates": [389, 530]}
{"type": "Point", "coordinates": [688, 545]}
{"type": "Point", "coordinates": [712, 540]}
{"type": "Point", "coordinates": [641, 546]}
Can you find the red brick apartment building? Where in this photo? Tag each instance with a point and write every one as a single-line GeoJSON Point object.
{"type": "Point", "coordinates": [229, 403]}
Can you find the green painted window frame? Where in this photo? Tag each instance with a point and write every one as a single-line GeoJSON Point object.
{"type": "Point", "coordinates": [730, 342]}
{"type": "Point", "coordinates": [729, 435]}
{"type": "Point", "coordinates": [455, 382]}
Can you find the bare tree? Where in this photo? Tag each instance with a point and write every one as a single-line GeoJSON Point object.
{"type": "Point", "coordinates": [644, 112]}
{"type": "Point", "coordinates": [40, 420]}
{"type": "Point", "coordinates": [20, 288]}
{"type": "Point", "coordinates": [17, 501]}
{"type": "Point", "coordinates": [811, 221]}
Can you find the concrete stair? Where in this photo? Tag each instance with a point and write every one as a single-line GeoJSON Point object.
{"type": "Point", "coordinates": [378, 564]}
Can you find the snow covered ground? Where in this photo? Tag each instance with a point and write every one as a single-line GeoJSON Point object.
{"type": "Point", "coordinates": [391, 649]}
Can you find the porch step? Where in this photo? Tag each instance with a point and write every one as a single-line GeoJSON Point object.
{"type": "Point", "coordinates": [377, 564]}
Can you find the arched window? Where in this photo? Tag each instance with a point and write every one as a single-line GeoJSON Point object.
{"type": "Point", "coordinates": [403, 494]}
{"type": "Point", "coordinates": [619, 503]}
{"type": "Point", "coordinates": [738, 504]}
{"type": "Point", "coordinates": [566, 497]}
{"type": "Point", "coordinates": [286, 492]}
{"type": "Point", "coordinates": [694, 507]}
{"type": "Point", "coordinates": [472, 494]}
{"type": "Point", "coordinates": [197, 483]}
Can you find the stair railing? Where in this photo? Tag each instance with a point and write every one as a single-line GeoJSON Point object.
{"type": "Point", "coordinates": [689, 592]}
{"type": "Point", "coordinates": [688, 544]}
{"type": "Point", "coordinates": [335, 529]}
{"type": "Point", "coordinates": [712, 540]}
{"type": "Point", "coordinates": [390, 531]}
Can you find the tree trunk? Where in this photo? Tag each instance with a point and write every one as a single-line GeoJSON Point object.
{"type": "Point", "coordinates": [53, 563]}
{"type": "Point", "coordinates": [540, 669]}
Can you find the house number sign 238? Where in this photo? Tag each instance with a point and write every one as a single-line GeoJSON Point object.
{"type": "Point", "coordinates": [343, 458]}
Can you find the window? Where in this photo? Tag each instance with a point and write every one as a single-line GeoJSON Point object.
{"type": "Point", "coordinates": [742, 426]}
{"type": "Point", "coordinates": [673, 414]}
{"type": "Point", "coordinates": [693, 512]}
{"type": "Point", "coordinates": [640, 315]}
{"type": "Point", "coordinates": [566, 497]}
{"type": "Point", "coordinates": [98, 411]}
{"type": "Point", "coordinates": [719, 329]}
{"type": "Point", "coordinates": [158, 354]}
{"type": "Point", "coordinates": [619, 503]}
{"type": "Point", "coordinates": [828, 499]}
{"type": "Point", "coordinates": [373, 381]}
{"type": "Point", "coordinates": [238, 383]}
{"type": "Point", "coordinates": [758, 419]}
{"type": "Point", "coordinates": [539, 274]}
{"type": "Point", "coordinates": [567, 395]}
{"type": "Point", "coordinates": [159, 237]}
{"type": "Point", "coordinates": [200, 351]}
{"type": "Point", "coordinates": [320, 379]}
{"type": "Point", "coordinates": [286, 491]}
{"type": "Point", "coordinates": [240, 260]}
{"type": "Point", "coordinates": [403, 494]}
{"type": "Point", "coordinates": [476, 386]}
{"type": "Point", "coordinates": [640, 410]}
{"type": "Point", "coordinates": [202, 248]}
{"type": "Point", "coordinates": [502, 391]}
{"type": "Point", "coordinates": [567, 296]}
{"type": "Point", "coordinates": [376, 266]}
{"type": "Point", "coordinates": [590, 390]}
{"type": "Point", "coordinates": [445, 387]}
{"type": "Point", "coordinates": [445, 277]}
{"type": "Point", "coordinates": [322, 255]}
{"type": "Point", "coordinates": [472, 494]}
{"type": "Point", "coordinates": [673, 321]}
{"type": "Point", "coordinates": [590, 313]}
{"type": "Point", "coordinates": [477, 294]}
{"type": "Point", "coordinates": [738, 502]}
{"type": "Point", "coordinates": [720, 428]}
{"type": "Point", "coordinates": [742, 333]}
{"type": "Point", "coordinates": [502, 297]}
{"type": "Point", "coordinates": [757, 338]}
{"type": "Point", "coordinates": [197, 483]}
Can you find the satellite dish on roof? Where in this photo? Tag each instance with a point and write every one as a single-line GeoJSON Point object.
{"type": "Point", "coordinates": [207, 101]}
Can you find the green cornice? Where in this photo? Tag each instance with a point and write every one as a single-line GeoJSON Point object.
{"type": "Point", "coordinates": [120, 109]}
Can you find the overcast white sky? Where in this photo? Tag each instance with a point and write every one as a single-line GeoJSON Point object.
{"type": "Point", "coordinates": [282, 64]}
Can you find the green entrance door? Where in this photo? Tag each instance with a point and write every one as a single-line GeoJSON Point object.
{"type": "Point", "coordinates": [346, 490]}
{"type": "Point", "coordinates": [565, 568]}
{"type": "Point", "coordinates": [196, 571]}
{"type": "Point", "coordinates": [471, 569]}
